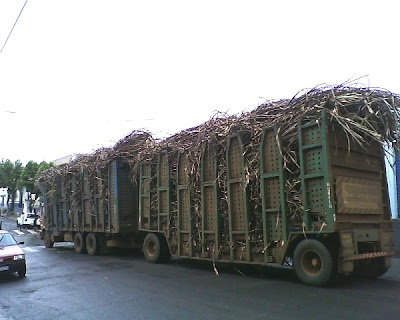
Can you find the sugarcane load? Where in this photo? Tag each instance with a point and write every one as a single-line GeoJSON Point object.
{"type": "Point", "coordinates": [299, 182]}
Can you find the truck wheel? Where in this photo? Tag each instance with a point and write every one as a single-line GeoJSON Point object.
{"type": "Point", "coordinates": [79, 243]}
{"type": "Point", "coordinates": [313, 263]}
{"type": "Point", "coordinates": [370, 268]}
{"type": "Point", "coordinates": [92, 245]}
{"type": "Point", "coordinates": [152, 248]}
{"type": "Point", "coordinates": [47, 240]}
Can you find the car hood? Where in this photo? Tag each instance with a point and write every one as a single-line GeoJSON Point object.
{"type": "Point", "coordinates": [9, 251]}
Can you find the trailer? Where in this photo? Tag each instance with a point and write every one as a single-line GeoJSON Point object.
{"type": "Point", "coordinates": [311, 196]}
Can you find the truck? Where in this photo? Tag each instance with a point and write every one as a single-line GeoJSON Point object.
{"type": "Point", "coordinates": [298, 182]}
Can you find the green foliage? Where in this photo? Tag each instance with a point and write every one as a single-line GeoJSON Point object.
{"type": "Point", "coordinates": [44, 166]}
{"type": "Point", "coordinates": [10, 174]}
{"type": "Point", "coordinates": [28, 176]}
{"type": "Point", "coordinates": [14, 176]}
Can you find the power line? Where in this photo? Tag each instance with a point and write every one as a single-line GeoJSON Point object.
{"type": "Point", "coordinates": [13, 27]}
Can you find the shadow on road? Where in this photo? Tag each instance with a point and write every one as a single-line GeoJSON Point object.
{"type": "Point", "coordinates": [6, 277]}
{"type": "Point", "coordinates": [251, 271]}
{"type": "Point", "coordinates": [261, 272]}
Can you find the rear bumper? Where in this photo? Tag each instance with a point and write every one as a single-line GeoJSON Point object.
{"type": "Point", "coordinates": [364, 244]}
{"type": "Point", "coordinates": [369, 255]}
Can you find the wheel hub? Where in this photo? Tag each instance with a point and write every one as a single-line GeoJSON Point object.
{"type": "Point", "coordinates": [151, 248]}
{"type": "Point", "coordinates": [311, 262]}
{"type": "Point", "coordinates": [315, 262]}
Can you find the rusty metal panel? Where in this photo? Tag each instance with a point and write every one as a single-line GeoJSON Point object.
{"type": "Point", "coordinates": [127, 200]}
{"type": "Point", "coordinates": [237, 201]}
{"type": "Point", "coordinates": [312, 135]}
{"type": "Point", "coordinates": [315, 195]}
{"type": "Point", "coordinates": [210, 228]}
{"type": "Point", "coordinates": [163, 192]}
{"type": "Point", "coordinates": [184, 206]}
{"type": "Point", "coordinates": [355, 195]}
{"type": "Point", "coordinates": [209, 162]}
{"type": "Point", "coordinates": [163, 172]}
{"type": "Point", "coordinates": [316, 180]}
{"type": "Point", "coordinates": [270, 152]}
{"type": "Point", "coordinates": [355, 160]}
{"type": "Point", "coordinates": [112, 180]}
{"type": "Point", "coordinates": [272, 193]}
{"type": "Point", "coordinates": [145, 195]}
{"type": "Point", "coordinates": [123, 199]}
{"type": "Point", "coordinates": [371, 255]}
{"type": "Point", "coordinates": [209, 215]}
{"type": "Point", "coordinates": [313, 161]}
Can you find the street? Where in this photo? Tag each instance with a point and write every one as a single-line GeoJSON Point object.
{"type": "Point", "coordinates": [61, 284]}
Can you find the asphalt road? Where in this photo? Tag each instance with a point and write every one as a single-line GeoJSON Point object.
{"type": "Point", "coordinates": [61, 284]}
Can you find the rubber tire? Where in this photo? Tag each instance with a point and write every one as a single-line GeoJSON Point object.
{"type": "Point", "coordinates": [92, 244]}
{"type": "Point", "coordinates": [22, 272]}
{"type": "Point", "coordinates": [371, 268]}
{"type": "Point", "coordinates": [152, 248]}
{"type": "Point", "coordinates": [79, 243]}
{"type": "Point", "coordinates": [47, 240]}
{"type": "Point", "coordinates": [319, 251]}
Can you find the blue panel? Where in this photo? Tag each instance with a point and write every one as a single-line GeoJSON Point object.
{"type": "Point", "coordinates": [397, 165]}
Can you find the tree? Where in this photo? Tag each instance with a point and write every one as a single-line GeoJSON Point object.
{"type": "Point", "coordinates": [10, 174]}
{"type": "Point", "coordinates": [28, 179]}
{"type": "Point", "coordinates": [44, 166]}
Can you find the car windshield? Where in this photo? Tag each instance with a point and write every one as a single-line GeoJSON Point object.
{"type": "Point", "coordinates": [31, 216]}
{"type": "Point", "coordinates": [7, 240]}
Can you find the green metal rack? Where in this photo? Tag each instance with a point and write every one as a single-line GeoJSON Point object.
{"type": "Point", "coordinates": [272, 183]}
{"type": "Point", "coordinates": [184, 207]}
{"type": "Point", "coordinates": [238, 201]}
{"type": "Point", "coordinates": [163, 193]}
{"type": "Point", "coordinates": [210, 223]}
{"type": "Point", "coordinates": [144, 196]}
{"type": "Point", "coordinates": [315, 178]}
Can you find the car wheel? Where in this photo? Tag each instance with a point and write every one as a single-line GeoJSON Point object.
{"type": "Point", "coordinates": [22, 272]}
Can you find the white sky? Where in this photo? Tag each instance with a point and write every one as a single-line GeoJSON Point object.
{"type": "Point", "coordinates": [81, 74]}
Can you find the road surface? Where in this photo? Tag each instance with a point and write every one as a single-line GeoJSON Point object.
{"type": "Point", "coordinates": [61, 284]}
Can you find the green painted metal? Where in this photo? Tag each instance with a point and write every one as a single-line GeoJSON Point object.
{"type": "Point", "coordinates": [210, 222]}
{"type": "Point", "coordinates": [114, 201]}
{"type": "Point", "coordinates": [237, 196]}
{"type": "Point", "coordinates": [184, 207]}
{"type": "Point", "coordinates": [315, 176]}
{"type": "Point", "coordinates": [144, 196]}
{"type": "Point", "coordinates": [271, 172]}
{"type": "Point", "coordinates": [328, 182]}
{"type": "Point", "coordinates": [163, 193]}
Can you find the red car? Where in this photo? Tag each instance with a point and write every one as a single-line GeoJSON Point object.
{"type": "Point", "coordinates": [12, 258]}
